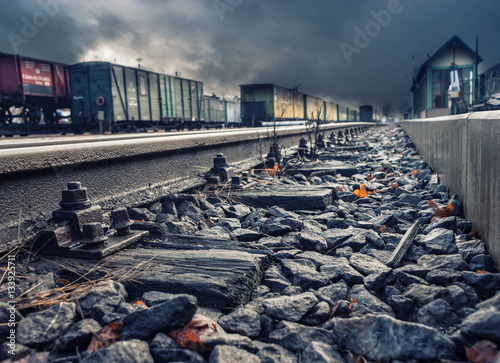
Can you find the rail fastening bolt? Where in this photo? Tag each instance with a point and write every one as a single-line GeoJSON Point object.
{"type": "Point", "coordinates": [236, 181]}
{"type": "Point", "coordinates": [93, 234]}
{"type": "Point", "coordinates": [74, 197]}
{"type": "Point", "coordinates": [220, 161]}
{"type": "Point", "coordinates": [121, 221]}
{"type": "Point", "coordinates": [302, 150]}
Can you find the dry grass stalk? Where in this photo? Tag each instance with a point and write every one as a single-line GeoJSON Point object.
{"type": "Point", "coordinates": [80, 285]}
{"type": "Point", "coordinates": [224, 192]}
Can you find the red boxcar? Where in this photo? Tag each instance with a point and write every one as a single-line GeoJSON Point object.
{"type": "Point", "coordinates": [37, 87]}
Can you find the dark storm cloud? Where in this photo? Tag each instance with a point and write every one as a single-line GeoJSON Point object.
{"type": "Point", "coordinates": [43, 30]}
{"type": "Point", "coordinates": [230, 42]}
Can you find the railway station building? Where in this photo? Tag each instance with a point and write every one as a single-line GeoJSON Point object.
{"type": "Point", "coordinates": [445, 80]}
{"type": "Point", "coordinates": [490, 80]}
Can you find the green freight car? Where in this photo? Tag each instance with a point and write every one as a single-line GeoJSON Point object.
{"type": "Point", "coordinates": [319, 110]}
{"type": "Point", "coordinates": [366, 113]}
{"type": "Point", "coordinates": [215, 112]}
{"type": "Point", "coordinates": [343, 113]}
{"type": "Point", "coordinates": [221, 112]}
{"type": "Point", "coordinates": [114, 98]}
{"type": "Point", "coordinates": [233, 112]}
{"type": "Point", "coordinates": [269, 102]}
{"type": "Point", "coordinates": [352, 115]}
{"type": "Point", "coordinates": [315, 109]}
{"type": "Point", "coordinates": [331, 112]}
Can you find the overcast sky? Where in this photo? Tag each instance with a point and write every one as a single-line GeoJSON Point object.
{"type": "Point", "coordinates": [225, 43]}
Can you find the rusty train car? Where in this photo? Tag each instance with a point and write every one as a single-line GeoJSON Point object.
{"type": "Point", "coordinates": [31, 92]}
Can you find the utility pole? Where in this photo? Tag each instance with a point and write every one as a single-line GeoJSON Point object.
{"type": "Point", "coordinates": [476, 78]}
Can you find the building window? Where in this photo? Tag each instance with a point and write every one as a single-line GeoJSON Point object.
{"type": "Point", "coordinates": [440, 85]}
{"type": "Point", "coordinates": [466, 79]}
{"type": "Point", "coordinates": [493, 83]}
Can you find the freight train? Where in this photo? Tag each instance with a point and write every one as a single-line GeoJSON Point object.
{"type": "Point", "coordinates": [38, 96]}
{"type": "Point", "coordinates": [267, 103]}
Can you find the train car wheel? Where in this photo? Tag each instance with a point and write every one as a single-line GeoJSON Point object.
{"type": "Point", "coordinates": [28, 116]}
{"type": "Point", "coordinates": [25, 115]}
{"type": "Point", "coordinates": [51, 116]}
{"type": "Point", "coordinates": [5, 116]}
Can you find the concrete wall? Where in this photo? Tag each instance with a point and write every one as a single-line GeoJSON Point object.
{"type": "Point", "coordinates": [465, 151]}
{"type": "Point", "coordinates": [437, 112]}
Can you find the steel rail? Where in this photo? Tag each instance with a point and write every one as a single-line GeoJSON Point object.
{"type": "Point", "coordinates": [129, 171]}
{"type": "Point", "coordinates": [82, 139]}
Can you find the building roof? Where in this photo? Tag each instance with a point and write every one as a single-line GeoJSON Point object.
{"type": "Point", "coordinates": [495, 68]}
{"type": "Point", "coordinates": [454, 40]}
{"type": "Point", "coordinates": [258, 85]}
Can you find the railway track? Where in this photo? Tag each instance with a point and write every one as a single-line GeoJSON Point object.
{"type": "Point", "coordinates": [373, 263]}
{"type": "Point", "coordinates": [126, 170]}
{"type": "Point", "coordinates": [54, 140]}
